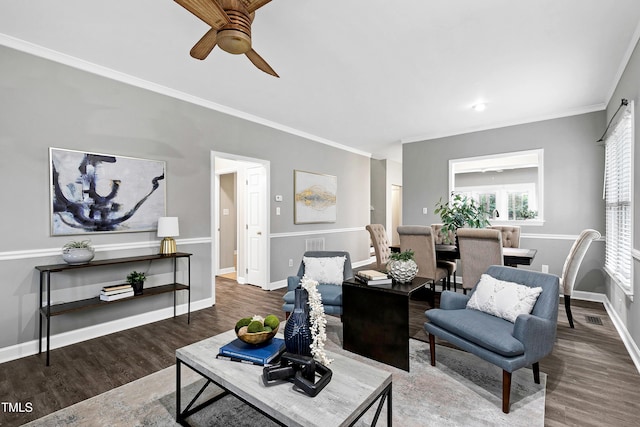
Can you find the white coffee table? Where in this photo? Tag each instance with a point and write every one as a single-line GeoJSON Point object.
{"type": "Point", "coordinates": [353, 389]}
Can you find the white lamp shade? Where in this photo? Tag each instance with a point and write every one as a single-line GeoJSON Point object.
{"type": "Point", "coordinates": [168, 226]}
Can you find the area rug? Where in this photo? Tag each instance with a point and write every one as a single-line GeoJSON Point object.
{"type": "Point", "coordinates": [461, 390]}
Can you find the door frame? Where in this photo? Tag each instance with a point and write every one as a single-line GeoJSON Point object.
{"type": "Point", "coordinates": [215, 216]}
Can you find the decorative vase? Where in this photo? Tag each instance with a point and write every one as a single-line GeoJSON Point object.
{"type": "Point", "coordinates": [297, 330]}
{"type": "Point", "coordinates": [403, 271]}
{"type": "Point", "coordinates": [76, 256]}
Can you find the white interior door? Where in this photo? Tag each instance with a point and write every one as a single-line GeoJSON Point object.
{"type": "Point", "coordinates": [256, 226]}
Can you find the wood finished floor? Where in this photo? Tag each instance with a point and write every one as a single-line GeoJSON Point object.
{"type": "Point", "coordinates": [591, 378]}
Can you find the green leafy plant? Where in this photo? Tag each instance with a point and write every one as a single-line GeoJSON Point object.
{"type": "Point", "coordinates": [402, 256]}
{"type": "Point", "coordinates": [460, 212]}
{"type": "Point", "coordinates": [78, 244]}
{"type": "Point", "coordinates": [136, 277]}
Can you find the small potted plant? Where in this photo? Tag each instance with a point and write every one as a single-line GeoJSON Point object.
{"type": "Point", "coordinates": [136, 280]}
{"type": "Point", "coordinates": [462, 211]}
{"type": "Point", "coordinates": [78, 252]}
{"type": "Point", "coordinates": [402, 266]}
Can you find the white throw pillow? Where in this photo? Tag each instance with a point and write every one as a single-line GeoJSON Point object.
{"type": "Point", "coordinates": [328, 270]}
{"type": "Point", "coordinates": [503, 299]}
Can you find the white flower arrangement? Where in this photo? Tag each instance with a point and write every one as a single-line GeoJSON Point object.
{"type": "Point", "coordinates": [318, 321]}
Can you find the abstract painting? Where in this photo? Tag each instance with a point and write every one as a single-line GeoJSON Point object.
{"type": "Point", "coordinates": [103, 193]}
{"type": "Point", "coordinates": [315, 197]}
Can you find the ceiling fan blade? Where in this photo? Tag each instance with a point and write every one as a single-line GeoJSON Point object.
{"type": "Point", "coordinates": [207, 10]}
{"type": "Point", "coordinates": [205, 45]}
{"type": "Point", "coordinates": [260, 63]}
{"type": "Point", "coordinates": [253, 5]}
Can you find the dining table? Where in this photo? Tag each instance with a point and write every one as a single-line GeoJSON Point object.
{"type": "Point", "coordinates": [512, 256]}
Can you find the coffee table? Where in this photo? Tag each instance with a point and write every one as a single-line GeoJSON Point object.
{"type": "Point", "coordinates": [354, 388]}
{"type": "Point", "coordinates": [375, 320]}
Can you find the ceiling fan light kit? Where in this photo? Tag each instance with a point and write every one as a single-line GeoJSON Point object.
{"type": "Point", "coordinates": [230, 22]}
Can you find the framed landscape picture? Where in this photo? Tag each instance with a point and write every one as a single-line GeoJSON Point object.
{"type": "Point", "coordinates": [315, 197]}
{"type": "Point", "coordinates": [104, 193]}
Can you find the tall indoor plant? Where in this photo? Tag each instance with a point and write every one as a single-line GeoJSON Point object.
{"type": "Point", "coordinates": [461, 211]}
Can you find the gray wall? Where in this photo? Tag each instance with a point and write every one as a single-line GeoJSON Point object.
{"type": "Point", "coordinates": [629, 88]}
{"type": "Point", "coordinates": [46, 104]}
{"type": "Point", "coordinates": [573, 171]}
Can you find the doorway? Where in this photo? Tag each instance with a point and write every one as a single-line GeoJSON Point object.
{"type": "Point", "coordinates": [396, 213]}
{"type": "Point", "coordinates": [240, 218]}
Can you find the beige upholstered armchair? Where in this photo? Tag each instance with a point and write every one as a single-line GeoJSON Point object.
{"type": "Point", "coordinates": [479, 249]}
{"type": "Point", "coordinates": [380, 244]}
{"type": "Point", "coordinates": [572, 265]}
{"type": "Point", "coordinates": [510, 235]}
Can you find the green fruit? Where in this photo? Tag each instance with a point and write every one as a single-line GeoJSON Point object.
{"type": "Point", "coordinates": [272, 321]}
{"type": "Point", "coordinates": [243, 322]}
{"type": "Point", "coordinates": [267, 329]}
{"type": "Point", "coordinates": [255, 326]}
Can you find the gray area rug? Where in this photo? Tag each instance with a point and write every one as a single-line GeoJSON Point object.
{"type": "Point", "coordinates": [461, 390]}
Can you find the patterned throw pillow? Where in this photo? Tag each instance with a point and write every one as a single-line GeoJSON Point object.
{"type": "Point", "coordinates": [503, 299]}
{"type": "Point", "coordinates": [327, 270]}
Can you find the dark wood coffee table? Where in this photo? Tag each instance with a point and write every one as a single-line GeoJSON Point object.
{"type": "Point", "coordinates": [376, 320]}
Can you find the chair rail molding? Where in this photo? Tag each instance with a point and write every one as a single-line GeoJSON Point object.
{"type": "Point", "coordinates": [35, 253]}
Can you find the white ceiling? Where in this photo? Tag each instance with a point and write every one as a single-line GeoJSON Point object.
{"type": "Point", "coordinates": [367, 74]}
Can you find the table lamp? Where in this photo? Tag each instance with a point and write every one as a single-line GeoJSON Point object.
{"type": "Point", "coordinates": [168, 228]}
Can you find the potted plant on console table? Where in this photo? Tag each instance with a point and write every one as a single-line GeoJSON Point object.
{"type": "Point", "coordinates": [462, 211]}
{"type": "Point", "coordinates": [136, 280]}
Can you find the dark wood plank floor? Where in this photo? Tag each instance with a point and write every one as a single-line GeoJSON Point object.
{"type": "Point", "coordinates": [591, 378]}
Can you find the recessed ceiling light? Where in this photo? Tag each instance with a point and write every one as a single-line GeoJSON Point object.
{"type": "Point", "coordinates": [480, 106]}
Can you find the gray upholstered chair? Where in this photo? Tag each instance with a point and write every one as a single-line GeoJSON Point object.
{"type": "Point", "coordinates": [479, 248]}
{"type": "Point", "coordinates": [510, 235]}
{"type": "Point", "coordinates": [572, 265]}
{"type": "Point", "coordinates": [331, 293]}
{"type": "Point", "coordinates": [508, 345]}
{"type": "Point", "coordinates": [419, 239]}
{"type": "Point", "coordinates": [380, 243]}
{"type": "Point", "coordinates": [451, 266]}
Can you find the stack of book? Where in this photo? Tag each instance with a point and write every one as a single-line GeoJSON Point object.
{"type": "Point", "coordinates": [112, 293]}
{"type": "Point", "coordinates": [374, 278]}
{"type": "Point", "coordinates": [240, 351]}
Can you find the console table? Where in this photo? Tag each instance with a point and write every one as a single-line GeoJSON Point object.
{"type": "Point", "coordinates": [48, 310]}
{"type": "Point", "coordinates": [375, 320]}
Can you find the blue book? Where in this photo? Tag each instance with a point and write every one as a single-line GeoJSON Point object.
{"type": "Point", "coordinates": [238, 350]}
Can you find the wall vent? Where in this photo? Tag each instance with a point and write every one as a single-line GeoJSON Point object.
{"type": "Point", "coordinates": [314, 244]}
{"type": "Point", "coordinates": [594, 320]}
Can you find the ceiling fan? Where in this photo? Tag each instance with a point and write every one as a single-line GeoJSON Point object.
{"type": "Point", "coordinates": [230, 22]}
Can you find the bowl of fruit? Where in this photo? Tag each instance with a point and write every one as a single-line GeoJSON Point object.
{"type": "Point", "coordinates": [257, 329]}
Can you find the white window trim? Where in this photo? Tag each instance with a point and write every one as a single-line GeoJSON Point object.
{"type": "Point", "coordinates": [616, 276]}
{"type": "Point", "coordinates": [539, 153]}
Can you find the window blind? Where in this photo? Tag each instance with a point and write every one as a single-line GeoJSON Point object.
{"type": "Point", "coordinates": [618, 198]}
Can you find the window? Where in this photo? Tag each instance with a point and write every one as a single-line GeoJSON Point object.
{"type": "Point", "coordinates": [618, 199]}
{"type": "Point", "coordinates": [508, 185]}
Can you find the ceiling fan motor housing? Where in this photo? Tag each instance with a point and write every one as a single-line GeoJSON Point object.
{"type": "Point", "coordinates": [235, 37]}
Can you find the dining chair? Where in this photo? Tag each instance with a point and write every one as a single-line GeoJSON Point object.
{"type": "Point", "coordinates": [510, 235]}
{"type": "Point", "coordinates": [380, 243]}
{"type": "Point", "coordinates": [479, 249]}
{"type": "Point", "coordinates": [572, 265]}
{"type": "Point", "coordinates": [451, 266]}
{"type": "Point", "coordinates": [419, 239]}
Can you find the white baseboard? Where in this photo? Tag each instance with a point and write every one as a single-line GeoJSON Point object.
{"type": "Point", "coordinates": [71, 337]}
{"type": "Point", "coordinates": [631, 346]}
{"type": "Point", "coordinates": [627, 340]}
{"type": "Point", "coordinates": [227, 270]}
{"type": "Point", "coordinates": [277, 285]}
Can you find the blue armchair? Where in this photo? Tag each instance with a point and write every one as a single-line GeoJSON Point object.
{"type": "Point", "coordinates": [331, 293]}
{"type": "Point", "coordinates": [508, 345]}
